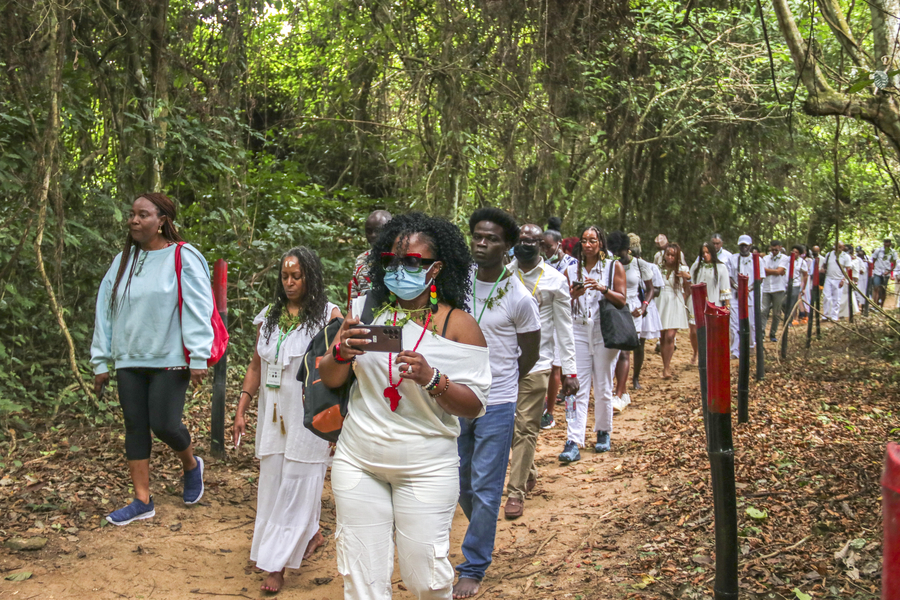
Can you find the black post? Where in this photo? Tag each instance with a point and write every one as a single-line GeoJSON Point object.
{"type": "Point", "coordinates": [757, 300]}
{"type": "Point", "coordinates": [744, 344]}
{"type": "Point", "coordinates": [850, 293]}
{"type": "Point", "coordinates": [788, 309]}
{"type": "Point", "coordinates": [698, 297]}
{"type": "Point", "coordinates": [721, 454]}
{"type": "Point", "coordinates": [220, 369]}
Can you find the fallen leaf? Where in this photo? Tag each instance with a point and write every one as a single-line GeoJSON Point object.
{"type": "Point", "coordinates": [20, 576]}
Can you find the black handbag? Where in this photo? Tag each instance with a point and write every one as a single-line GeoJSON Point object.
{"type": "Point", "coordinates": [617, 324]}
{"type": "Point", "coordinates": [325, 408]}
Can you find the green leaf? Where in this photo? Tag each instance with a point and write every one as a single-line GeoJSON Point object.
{"type": "Point", "coordinates": [20, 576]}
{"type": "Point", "coordinates": [860, 85]}
{"type": "Point", "coordinates": [755, 513]}
{"type": "Point", "coordinates": [800, 595]}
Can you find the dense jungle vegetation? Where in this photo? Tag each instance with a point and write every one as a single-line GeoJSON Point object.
{"type": "Point", "coordinates": [276, 123]}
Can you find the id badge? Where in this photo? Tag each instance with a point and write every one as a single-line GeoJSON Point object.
{"type": "Point", "coordinates": [273, 376]}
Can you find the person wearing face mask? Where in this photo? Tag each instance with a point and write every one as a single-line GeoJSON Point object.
{"type": "Point", "coordinates": [551, 290]}
{"type": "Point", "coordinates": [158, 350]}
{"type": "Point", "coordinates": [742, 264]}
{"type": "Point", "coordinates": [292, 461]}
{"type": "Point", "coordinates": [551, 246]}
{"type": "Point", "coordinates": [509, 318]}
{"type": "Point", "coordinates": [359, 283]}
{"type": "Point", "coordinates": [395, 475]}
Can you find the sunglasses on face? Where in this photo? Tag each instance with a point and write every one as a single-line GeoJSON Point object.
{"type": "Point", "coordinates": [411, 263]}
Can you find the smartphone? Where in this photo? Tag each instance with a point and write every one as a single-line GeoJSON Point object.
{"type": "Point", "coordinates": [578, 284]}
{"type": "Point", "coordinates": [383, 338]}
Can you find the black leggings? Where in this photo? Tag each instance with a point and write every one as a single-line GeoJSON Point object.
{"type": "Point", "coordinates": [153, 399]}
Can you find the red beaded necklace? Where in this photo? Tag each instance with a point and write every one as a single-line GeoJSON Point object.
{"type": "Point", "coordinates": [391, 393]}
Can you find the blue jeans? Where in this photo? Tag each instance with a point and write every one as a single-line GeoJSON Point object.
{"type": "Point", "coordinates": [484, 445]}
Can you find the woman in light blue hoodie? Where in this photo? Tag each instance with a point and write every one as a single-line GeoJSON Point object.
{"type": "Point", "coordinates": [138, 328]}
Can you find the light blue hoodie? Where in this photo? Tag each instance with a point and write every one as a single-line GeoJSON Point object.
{"type": "Point", "coordinates": [144, 330]}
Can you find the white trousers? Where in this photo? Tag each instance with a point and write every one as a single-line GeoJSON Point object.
{"type": "Point", "coordinates": [288, 507]}
{"type": "Point", "coordinates": [734, 323]}
{"type": "Point", "coordinates": [595, 366]}
{"type": "Point", "coordinates": [832, 294]}
{"type": "Point", "coordinates": [373, 509]}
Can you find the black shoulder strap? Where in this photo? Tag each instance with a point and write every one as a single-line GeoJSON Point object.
{"type": "Point", "coordinates": [368, 308]}
{"type": "Point", "coordinates": [446, 322]}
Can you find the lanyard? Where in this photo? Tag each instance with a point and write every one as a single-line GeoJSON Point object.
{"type": "Point", "coordinates": [475, 293]}
{"type": "Point", "coordinates": [281, 338]}
{"type": "Point", "coordinates": [535, 283]}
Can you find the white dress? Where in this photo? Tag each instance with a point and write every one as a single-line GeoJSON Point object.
{"type": "Point", "coordinates": [292, 461]}
{"type": "Point", "coordinates": [635, 274]}
{"type": "Point", "coordinates": [651, 325]}
{"type": "Point", "coordinates": [673, 312]}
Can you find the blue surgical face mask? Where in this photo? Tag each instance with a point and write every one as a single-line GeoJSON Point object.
{"type": "Point", "coordinates": [406, 285]}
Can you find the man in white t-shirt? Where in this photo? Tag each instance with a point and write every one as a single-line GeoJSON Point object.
{"type": "Point", "coordinates": [883, 260]}
{"type": "Point", "coordinates": [833, 266]}
{"type": "Point", "coordinates": [551, 290]}
{"type": "Point", "coordinates": [509, 318]}
{"type": "Point", "coordinates": [775, 265]}
{"type": "Point", "coordinates": [742, 264]}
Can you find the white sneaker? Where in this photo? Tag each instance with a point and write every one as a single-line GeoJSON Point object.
{"type": "Point", "coordinates": [626, 400]}
{"type": "Point", "coordinates": [617, 404]}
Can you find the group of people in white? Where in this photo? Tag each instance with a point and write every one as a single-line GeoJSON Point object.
{"type": "Point", "coordinates": [493, 329]}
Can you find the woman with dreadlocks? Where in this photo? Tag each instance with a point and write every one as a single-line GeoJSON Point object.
{"type": "Point", "coordinates": [395, 475]}
{"type": "Point", "coordinates": [138, 326]}
{"type": "Point", "coordinates": [673, 314]}
{"type": "Point", "coordinates": [591, 278]}
{"type": "Point", "coordinates": [292, 461]}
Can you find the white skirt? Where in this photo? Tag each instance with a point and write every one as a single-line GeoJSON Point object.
{"type": "Point", "coordinates": [288, 507]}
{"type": "Point", "coordinates": [673, 313]}
{"type": "Point", "coordinates": [651, 325]}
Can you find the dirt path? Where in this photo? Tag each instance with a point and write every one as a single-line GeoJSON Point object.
{"type": "Point", "coordinates": [636, 520]}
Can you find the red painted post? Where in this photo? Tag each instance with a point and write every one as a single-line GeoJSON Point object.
{"type": "Point", "coordinates": [890, 503]}
{"type": "Point", "coordinates": [788, 308]}
{"type": "Point", "coordinates": [698, 298]}
{"type": "Point", "coordinates": [220, 369]}
{"type": "Point", "coordinates": [721, 452]}
{"type": "Point", "coordinates": [744, 346]}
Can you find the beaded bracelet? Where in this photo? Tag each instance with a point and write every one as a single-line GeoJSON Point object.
{"type": "Point", "coordinates": [435, 379]}
{"type": "Point", "coordinates": [441, 393]}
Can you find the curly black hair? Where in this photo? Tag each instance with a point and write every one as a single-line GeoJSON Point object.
{"type": "Point", "coordinates": [499, 217]}
{"type": "Point", "coordinates": [554, 223]}
{"type": "Point", "coordinates": [448, 245]}
{"type": "Point", "coordinates": [617, 241]}
{"type": "Point", "coordinates": [314, 300]}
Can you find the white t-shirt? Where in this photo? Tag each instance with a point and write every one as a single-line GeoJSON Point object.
{"type": "Point", "coordinates": [551, 290]}
{"type": "Point", "coordinates": [743, 265]}
{"type": "Point", "coordinates": [882, 259]}
{"type": "Point", "coordinates": [775, 283]}
{"type": "Point", "coordinates": [836, 267]}
{"type": "Point", "coordinates": [510, 311]}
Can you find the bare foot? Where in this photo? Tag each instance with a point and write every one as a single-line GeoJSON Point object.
{"type": "Point", "coordinates": [666, 375]}
{"type": "Point", "coordinates": [273, 582]}
{"type": "Point", "coordinates": [694, 362]}
{"type": "Point", "coordinates": [466, 587]}
{"type": "Point", "coordinates": [316, 541]}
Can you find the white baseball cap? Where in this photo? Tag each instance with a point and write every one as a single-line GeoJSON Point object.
{"type": "Point", "coordinates": [745, 239]}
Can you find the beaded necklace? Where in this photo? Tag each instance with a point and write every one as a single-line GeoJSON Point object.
{"type": "Point", "coordinates": [391, 394]}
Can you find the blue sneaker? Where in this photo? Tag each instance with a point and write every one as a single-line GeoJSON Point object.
{"type": "Point", "coordinates": [193, 483]}
{"type": "Point", "coordinates": [570, 453]}
{"type": "Point", "coordinates": [602, 444]}
{"type": "Point", "coordinates": [135, 511]}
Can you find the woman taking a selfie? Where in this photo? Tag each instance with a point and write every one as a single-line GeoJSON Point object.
{"type": "Point", "coordinates": [396, 468]}
{"type": "Point", "coordinates": [138, 328]}
{"type": "Point", "coordinates": [292, 461]}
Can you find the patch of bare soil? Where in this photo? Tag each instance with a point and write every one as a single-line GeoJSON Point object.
{"type": "Point", "coordinates": [636, 521]}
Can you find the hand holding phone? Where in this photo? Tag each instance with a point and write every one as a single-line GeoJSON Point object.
{"type": "Point", "coordinates": [381, 338]}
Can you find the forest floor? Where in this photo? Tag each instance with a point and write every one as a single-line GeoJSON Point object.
{"type": "Point", "coordinates": [634, 522]}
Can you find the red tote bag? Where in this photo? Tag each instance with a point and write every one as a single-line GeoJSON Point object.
{"type": "Point", "coordinates": [220, 333]}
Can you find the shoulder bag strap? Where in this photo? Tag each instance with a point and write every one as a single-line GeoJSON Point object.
{"type": "Point", "coordinates": [178, 276]}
